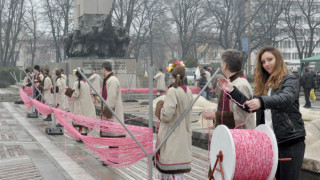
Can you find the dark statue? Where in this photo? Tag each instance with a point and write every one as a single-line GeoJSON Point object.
{"type": "Point", "coordinates": [98, 40]}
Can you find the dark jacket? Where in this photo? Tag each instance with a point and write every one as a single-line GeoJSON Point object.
{"type": "Point", "coordinates": [307, 80]}
{"type": "Point", "coordinates": [284, 104]}
{"type": "Point", "coordinates": [202, 82]}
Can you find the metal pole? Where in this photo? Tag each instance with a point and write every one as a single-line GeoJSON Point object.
{"type": "Point", "coordinates": [54, 95]}
{"type": "Point", "coordinates": [113, 113]}
{"type": "Point", "coordinates": [150, 117]}
{"type": "Point", "coordinates": [185, 113]}
{"type": "Point", "coordinates": [20, 76]}
{"type": "Point", "coordinates": [249, 38]}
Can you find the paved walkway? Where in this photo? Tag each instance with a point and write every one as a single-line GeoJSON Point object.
{"type": "Point", "coordinates": [27, 152]}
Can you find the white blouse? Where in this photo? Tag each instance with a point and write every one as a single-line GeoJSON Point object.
{"type": "Point", "coordinates": [267, 114]}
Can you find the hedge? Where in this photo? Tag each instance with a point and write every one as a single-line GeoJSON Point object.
{"type": "Point", "coordinates": [5, 77]}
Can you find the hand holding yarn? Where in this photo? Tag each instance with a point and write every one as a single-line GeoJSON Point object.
{"type": "Point", "coordinates": [209, 114]}
{"type": "Point", "coordinates": [253, 104]}
{"type": "Point", "coordinates": [225, 84]}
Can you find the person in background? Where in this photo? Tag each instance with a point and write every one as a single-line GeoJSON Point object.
{"type": "Point", "coordinates": [26, 80]}
{"type": "Point", "coordinates": [41, 75]}
{"type": "Point", "coordinates": [63, 75]}
{"type": "Point", "coordinates": [208, 77]}
{"type": "Point", "coordinates": [37, 81]}
{"type": "Point", "coordinates": [45, 87]}
{"type": "Point", "coordinates": [82, 104]}
{"type": "Point", "coordinates": [161, 86]}
{"type": "Point", "coordinates": [308, 84]}
{"type": "Point", "coordinates": [276, 105]}
{"type": "Point", "coordinates": [174, 158]}
{"type": "Point", "coordinates": [202, 82]}
{"type": "Point", "coordinates": [197, 73]}
{"type": "Point", "coordinates": [95, 80]}
{"type": "Point", "coordinates": [62, 100]}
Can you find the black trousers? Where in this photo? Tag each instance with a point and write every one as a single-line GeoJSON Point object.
{"type": "Point", "coordinates": [307, 96]}
{"type": "Point", "coordinates": [290, 170]}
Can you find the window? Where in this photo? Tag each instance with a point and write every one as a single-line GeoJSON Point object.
{"type": "Point", "coordinates": [286, 56]}
{"type": "Point", "coordinates": [295, 56]}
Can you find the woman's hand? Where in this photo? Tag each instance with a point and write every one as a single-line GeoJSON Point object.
{"type": "Point", "coordinates": [253, 104]}
{"type": "Point", "coordinates": [209, 114]}
{"type": "Point", "coordinates": [225, 84]}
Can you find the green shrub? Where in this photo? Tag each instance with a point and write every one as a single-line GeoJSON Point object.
{"type": "Point", "coordinates": [190, 61]}
{"type": "Point", "coordinates": [5, 78]}
{"type": "Point", "coordinates": [4, 84]}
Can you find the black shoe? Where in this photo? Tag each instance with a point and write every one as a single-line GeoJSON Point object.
{"type": "Point", "coordinates": [79, 141]}
{"type": "Point", "coordinates": [47, 119]}
{"type": "Point", "coordinates": [59, 125]}
{"type": "Point", "coordinates": [103, 163]}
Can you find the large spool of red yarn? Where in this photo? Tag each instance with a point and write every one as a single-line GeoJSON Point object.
{"type": "Point", "coordinates": [250, 154]}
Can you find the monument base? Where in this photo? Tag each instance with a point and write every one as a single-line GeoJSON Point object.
{"type": "Point", "coordinates": [124, 69]}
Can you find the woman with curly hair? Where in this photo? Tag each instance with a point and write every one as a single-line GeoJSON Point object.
{"type": "Point", "coordinates": [276, 105]}
{"type": "Point", "coordinates": [174, 157]}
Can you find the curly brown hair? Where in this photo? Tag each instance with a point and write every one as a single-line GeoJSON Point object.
{"type": "Point", "coordinates": [262, 79]}
{"type": "Point", "coordinates": [179, 73]}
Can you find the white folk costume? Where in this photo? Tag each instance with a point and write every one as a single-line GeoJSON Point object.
{"type": "Point", "coordinates": [175, 156]}
{"type": "Point", "coordinates": [26, 81]}
{"type": "Point", "coordinates": [111, 92]}
{"type": "Point", "coordinates": [160, 77]}
{"type": "Point", "coordinates": [95, 80]}
{"type": "Point", "coordinates": [47, 85]}
{"type": "Point", "coordinates": [82, 100]}
{"type": "Point", "coordinates": [64, 77]}
{"type": "Point", "coordinates": [62, 99]}
{"type": "Point", "coordinates": [82, 103]}
{"type": "Point", "coordinates": [41, 77]}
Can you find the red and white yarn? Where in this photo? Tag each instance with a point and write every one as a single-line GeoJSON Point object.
{"type": "Point", "coordinates": [25, 98]}
{"type": "Point", "coordinates": [127, 153]}
{"type": "Point", "coordinates": [41, 107]}
{"type": "Point", "coordinates": [254, 155]}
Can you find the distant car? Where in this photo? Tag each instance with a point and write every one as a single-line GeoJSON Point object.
{"type": "Point", "coordinates": [190, 76]}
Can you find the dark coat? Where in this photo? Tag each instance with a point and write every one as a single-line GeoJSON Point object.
{"type": "Point", "coordinates": [202, 82]}
{"type": "Point", "coordinates": [307, 80]}
{"type": "Point", "coordinates": [284, 104]}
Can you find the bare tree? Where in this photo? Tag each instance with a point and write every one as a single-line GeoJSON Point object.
{"type": "Point", "coordinates": [139, 29]}
{"type": "Point", "coordinates": [300, 17]}
{"type": "Point", "coordinates": [268, 26]}
{"type": "Point", "coordinates": [124, 12]}
{"type": "Point", "coordinates": [31, 23]}
{"type": "Point", "coordinates": [154, 10]}
{"type": "Point", "coordinates": [188, 16]}
{"type": "Point", "coordinates": [58, 13]}
{"type": "Point", "coordinates": [11, 14]}
{"type": "Point", "coordinates": [229, 20]}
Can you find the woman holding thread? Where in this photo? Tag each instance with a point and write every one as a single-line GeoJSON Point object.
{"type": "Point", "coordinates": [277, 105]}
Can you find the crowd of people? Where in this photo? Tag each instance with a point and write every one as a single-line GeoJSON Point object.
{"type": "Point", "coordinates": [274, 102]}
